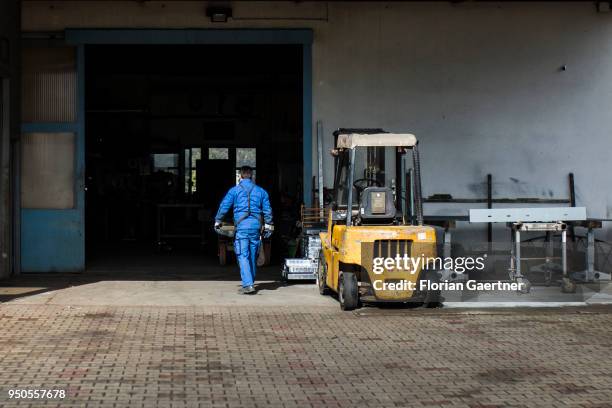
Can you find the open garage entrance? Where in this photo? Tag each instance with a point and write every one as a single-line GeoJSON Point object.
{"type": "Point", "coordinates": [166, 128]}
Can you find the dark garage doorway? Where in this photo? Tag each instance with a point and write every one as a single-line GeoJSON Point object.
{"type": "Point", "coordinates": [166, 127]}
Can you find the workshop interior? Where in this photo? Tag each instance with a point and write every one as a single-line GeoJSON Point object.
{"type": "Point", "coordinates": [167, 130]}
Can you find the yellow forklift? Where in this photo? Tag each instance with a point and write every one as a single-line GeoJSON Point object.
{"type": "Point", "coordinates": [376, 215]}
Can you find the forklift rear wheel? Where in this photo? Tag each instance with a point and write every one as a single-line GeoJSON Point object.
{"type": "Point", "coordinates": [433, 298]}
{"type": "Point", "coordinates": [322, 277]}
{"type": "Point", "coordinates": [348, 291]}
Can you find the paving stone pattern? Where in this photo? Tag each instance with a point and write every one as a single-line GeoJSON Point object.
{"type": "Point", "coordinates": [305, 357]}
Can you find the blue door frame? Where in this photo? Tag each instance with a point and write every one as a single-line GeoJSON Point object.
{"type": "Point", "coordinates": [53, 239]}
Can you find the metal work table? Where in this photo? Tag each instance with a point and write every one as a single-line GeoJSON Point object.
{"type": "Point", "coordinates": [448, 223]}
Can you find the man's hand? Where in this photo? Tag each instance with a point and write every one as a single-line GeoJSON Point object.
{"type": "Point", "coordinates": [217, 226]}
{"type": "Point", "coordinates": [268, 230]}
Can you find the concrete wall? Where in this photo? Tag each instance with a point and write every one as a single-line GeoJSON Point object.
{"type": "Point", "coordinates": [479, 83]}
{"type": "Point", "coordinates": [9, 98]}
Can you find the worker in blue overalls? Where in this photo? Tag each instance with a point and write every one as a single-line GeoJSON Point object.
{"type": "Point", "coordinates": [252, 220]}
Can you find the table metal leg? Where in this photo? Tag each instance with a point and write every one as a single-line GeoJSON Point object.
{"type": "Point", "coordinates": [567, 285]}
{"type": "Point", "coordinates": [447, 274]}
{"type": "Point", "coordinates": [446, 251]}
{"type": "Point", "coordinates": [564, 253]}
{"type": "Point", "coordinates": [550, 253]}
{"type": "Point", "coordinates": [590, 274]}
{"type": "Point", "coordinates": [590, 255]}
{"type": "Point", "coordinates": [517, 253]}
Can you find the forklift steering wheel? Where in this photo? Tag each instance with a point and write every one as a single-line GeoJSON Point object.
{"type": "Point", "coordinates": [361, 184]}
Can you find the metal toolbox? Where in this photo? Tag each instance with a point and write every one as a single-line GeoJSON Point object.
{"type": "Point", "coordinates": [300, 269]}
{"type": "Point", "coordinates": [312, 246]}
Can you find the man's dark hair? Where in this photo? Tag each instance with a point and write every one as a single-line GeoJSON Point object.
{"type": "Point", "coordinates": [246, 172]}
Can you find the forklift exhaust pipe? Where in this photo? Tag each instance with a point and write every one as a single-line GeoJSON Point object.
{"type": "Point", "coordinates": [418, 197]}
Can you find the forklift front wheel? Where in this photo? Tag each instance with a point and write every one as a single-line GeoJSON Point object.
{"type": "Point", "coordinates": [348, 291]}
{"type": "Point", "coordinates": [322, 277]}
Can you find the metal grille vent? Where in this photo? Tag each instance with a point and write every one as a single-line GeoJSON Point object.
{"type": "Point", "coordinates": [389, 248]}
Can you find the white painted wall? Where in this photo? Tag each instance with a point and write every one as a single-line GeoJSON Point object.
{"type": "Point", "coordinates": [479, 84]}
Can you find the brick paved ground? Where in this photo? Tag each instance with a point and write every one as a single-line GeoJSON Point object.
{"type": "Point", "coordinates": [264, 357]}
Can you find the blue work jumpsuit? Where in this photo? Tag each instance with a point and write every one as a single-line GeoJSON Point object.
{"type": "Point", "coordinates": [248, 224]}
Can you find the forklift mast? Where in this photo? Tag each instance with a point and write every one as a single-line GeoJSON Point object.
{"type": "Point", "coordinates": [413, 194]}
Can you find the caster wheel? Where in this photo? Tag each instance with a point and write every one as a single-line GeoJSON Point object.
{"type": "Point", "coordinates": [525, 286]}
{"type": "Point", "coordinates": [567, 286]}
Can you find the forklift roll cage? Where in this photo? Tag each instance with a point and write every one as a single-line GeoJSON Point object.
{"type": "Point", "coordinates": [348, 140]}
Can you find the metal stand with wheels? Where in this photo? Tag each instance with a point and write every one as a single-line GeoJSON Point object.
{"type": "Point", "coordinates": [516, 275]}
{"type": "Point", "coordinates": [547, 220]}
